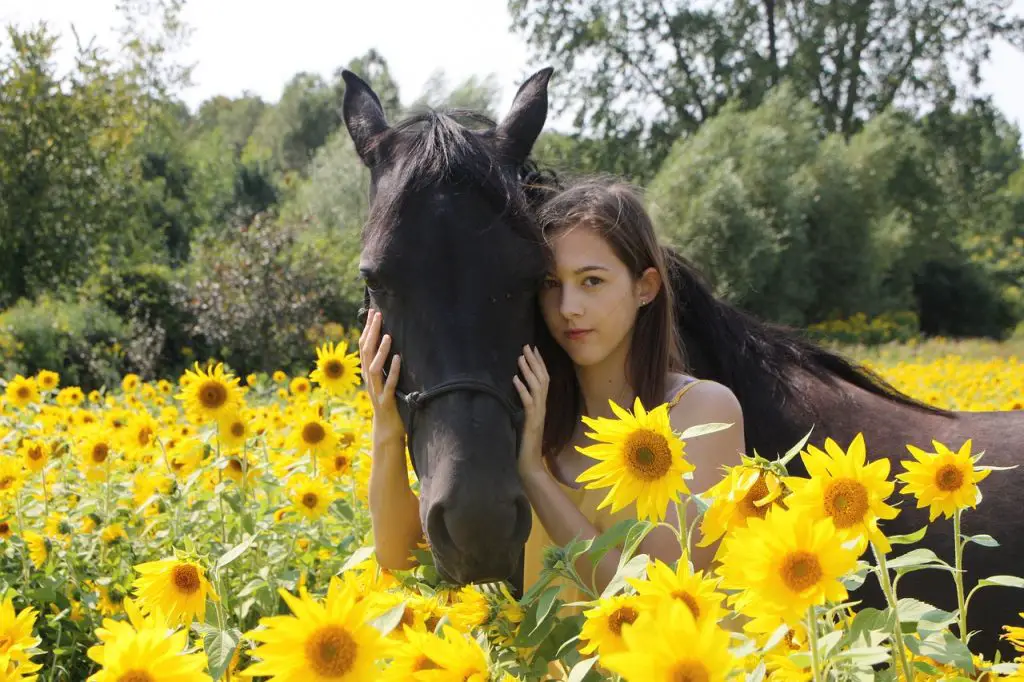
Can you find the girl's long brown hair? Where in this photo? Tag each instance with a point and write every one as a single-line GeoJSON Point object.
{"type": "Point", "coordinates": [615, 210]}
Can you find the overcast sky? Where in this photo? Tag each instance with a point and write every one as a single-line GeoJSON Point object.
{"type": "Point", "coordinates": [237, 47]}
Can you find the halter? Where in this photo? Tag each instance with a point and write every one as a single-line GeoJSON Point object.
{"type": "Point", "coordinates": [410, 403]}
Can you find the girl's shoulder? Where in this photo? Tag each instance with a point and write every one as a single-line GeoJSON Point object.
{"type": "Point", "coordinates": [679, 385]}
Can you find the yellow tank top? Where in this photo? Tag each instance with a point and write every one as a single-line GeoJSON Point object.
{"type": "Point", "coordinates": [586, 501]}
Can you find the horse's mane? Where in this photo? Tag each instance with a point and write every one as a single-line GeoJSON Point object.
{"type": "Point", "coordinates": [453, 147]}
{"type": "Point", "coordinates": [756, 359]}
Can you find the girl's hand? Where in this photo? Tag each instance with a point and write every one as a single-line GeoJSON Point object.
{"type": "Point", "coordinates": [534, 394]}
{"type": "Point", "coordinates": [387, 422]}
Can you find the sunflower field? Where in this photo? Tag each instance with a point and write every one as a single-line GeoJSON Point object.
{"type": "Point", "coordinates": [215, 528]}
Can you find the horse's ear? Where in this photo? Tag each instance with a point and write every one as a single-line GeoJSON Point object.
{"type": "Point", "coordinates": [363, 115]}
{"type": "Point", "coordinates": [520, 128]}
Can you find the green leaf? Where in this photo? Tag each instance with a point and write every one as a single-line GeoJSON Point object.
{"type": "Point", "coordinates": [580, 670]}
{"type": "Point", "coordinates": [235, 552]}
{"type": "Point", "coordinates": [948, 649]}
{"type": "Point", "coordinates": [703, 429]}
{"type": "Point", "coordinates": [795, 450]}
{"type": "Point", "coordinates": [546, 601]}
{"type": "Point", "coordinates": [220, 646]}
{"type": "Point", "coordinates": [612, 537]}
{"type": "Point", "coordinates": [983, 540]}
{"type": "Point", "coordinates": [909, 538]}
{"type": "Point", "coordinates": [917, 558]}
{"type": "Point", "coordinates": [1001, 581]}
{"type": "Point", "coordinates": [634, 568]}
{"type": "Point", "coordinates": [389, 620]}
{"type": "Point", "coordinates": [634, 537]}
{"type": "Point", "coordinates": [357, 557]}
{"type": "Point", "coordinates": [758, 673]}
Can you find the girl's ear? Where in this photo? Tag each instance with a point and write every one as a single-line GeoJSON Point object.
{"type": "Point", "coordinates": [648, 285]}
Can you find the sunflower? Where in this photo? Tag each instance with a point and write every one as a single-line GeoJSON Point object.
{"type": "Point", "coordinates": [336, 371]}
{"type": "Point", "coordinates": [639, 458]}
{"type": "Point", "coordinates": [210, 395]}
{"type": "Point", "coordinates": [469, 609]}
{"type": "Point", "coordinates": [846, 489]}
{"type": "Point", "coordinates": [943, 481]}
{"type": "Point", "coordinates": [16, 638]}
{"type": "Point", "coordinates": [604, 623]}
{"type": "Point", "coordinates": [312, 434]}
{"type": "Point", "coordinates": [34, 454]}
{"type": "Point", "coordinates": [130, 383]}
{"type": "Point", "coordinates": [22, 392]}
{"type": "Point", "coordinates": [47, 380]}
{"type": "Point", "coordinates": [175, 587]}
{"type": "Point", "coordinates": [652, 651]}
{"type": "Point", "coordinates": [143, 649]}
{"type": "Point", "coordinates": [1014, 635]}
{"type": "Point", "coordinates": [338, 465]}
{"type": "Point", "coordinates": [321, 642]}
{"type": "Point", "coordinates": [310, 497]}
{"type": "Point", "coordinates": [447, 657]}
{"type": "Point", "coordinates": [70, 397]}
{"type": "Point", "coordinates": [234, 430]}
{"type": "Point", "coordinates": [95, 449]}
{"type": "Point", "coordinates": [299, 386]}
{"type": "Point", "coordinates": [12, 476]}
{"type": "Point", "coordinates": [5, 529]}
{"type": "Point", "coordinates": [38, 547]}
{"type": "Point", "coordinates": [747, 491]}
{"type": "Point", "coordinates": [784, 564]}
{"type": "Point", "coordinates": [139, 435]}
{"type": "Point", "coordinates": [698, 592]}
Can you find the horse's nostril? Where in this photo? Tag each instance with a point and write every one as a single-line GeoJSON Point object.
{"type": "Point", "coordinates": [524, 519]}
{"type": "Point", "coordinates": [437, 530]}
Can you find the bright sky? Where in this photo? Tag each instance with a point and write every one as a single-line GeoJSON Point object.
{"type": "Point", "coordinates": [237, 47]}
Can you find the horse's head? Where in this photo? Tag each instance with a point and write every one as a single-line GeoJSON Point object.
{"type": "Point", "coordinates": [453, 260]}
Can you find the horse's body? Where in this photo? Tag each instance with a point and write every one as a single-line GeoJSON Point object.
{"type": "Point", "coordinates": [787, 386]}
{"type": "Point", "coordinates": [453, 259]}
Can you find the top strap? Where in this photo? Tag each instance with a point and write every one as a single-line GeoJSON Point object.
{"type": "Point", "coordinates": [680, 392]}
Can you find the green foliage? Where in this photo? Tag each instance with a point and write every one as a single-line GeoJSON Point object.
{"type": "Point", "coordinates": [82, 340]}
{"type": "Point", "coordinates": [957, 299]}
{"type": "Point", "coordinates": [259, 296]}
{"type": "Point", "coordinates": [859, 329]}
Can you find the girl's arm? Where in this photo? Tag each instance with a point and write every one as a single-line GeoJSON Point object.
{"type": "Point", "coordinates": [394, 507]}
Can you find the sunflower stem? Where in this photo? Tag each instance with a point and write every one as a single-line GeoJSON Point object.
{"type": "Point", "coordinates": [46, 498]}
{"type": "Point", "coordinates": [812, 642]}
{"type": "Point", "coordinates": [958, 576]}
{"type": "Point", "coordinates": [890, 596]}
{"type": "Point", "coordinates": [21, 526]}
{"type": "Point", "coordinates": [220, 493]}
{"type": "Point", "coordinates": [684, 536]}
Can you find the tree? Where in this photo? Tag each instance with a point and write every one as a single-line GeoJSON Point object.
{"type": "Point", "coordinates": [474, 93]}
{"type": "Point", "coordinates": [649, 71]}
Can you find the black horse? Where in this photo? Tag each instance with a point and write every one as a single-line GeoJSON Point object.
{"type": "Point", "coordinates": [453, 258]}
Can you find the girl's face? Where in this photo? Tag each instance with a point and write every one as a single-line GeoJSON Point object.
{"type": "Point", "coordinates": [590, 301]}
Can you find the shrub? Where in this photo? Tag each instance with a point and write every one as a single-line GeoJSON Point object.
{"type": "Point", "coordinates": [859, 329]}
{"type": "Point", "coordinates": [82, 340]}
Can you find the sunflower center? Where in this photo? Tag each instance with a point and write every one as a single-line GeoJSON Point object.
{"type": "Point", "coordinates": [949, 477]}
{"type": "Point", "coordinates": [237, 429]}
{"type": "Point", "coordinates": [145, 435]}
{"type": "Point", "coordinates": [186, 578]}
{"type": "Point", "coordinates": [846, 501]}
{"type": "Point", "coordinates": [331, 651]}
{"type": "Point", "coordinates": [800, 570]}
{"type": "Point", "coordinates": [647, 455]}
{"type": "Point", "coordinates": [757, 491]}
{"type": "Point", "coordinates": [135, 676]}
{"type": "Point", "coordinates": [624, 615]}
{"type": "Point", "coordinates": [35, 453]}
{"type": "Point", "coordinates": [334, 369]}
{"type": "Point", "coordinates": [100, 452]}
{"type": "Point", "coordinates": [310, 500]}
{"type": "Point", "coordinates": [689, 600]}
{"type": "Point", "coordinates": [408, 618]}
{"type": "Point", "coordinates": [689, 671]}
{"type": "Point", "coordinates": [346, 439]}
{"type": "Point", "coordinates": [313, 433]}
{"type": "Point", "coordinates": [235, 466]}
{"type": "Point", "coordinates": [6, 482]}
{"type": "Point", "coordinates": [340, 461]}
{"type": "Point", "coordinates": [23, 393]}
{"type": "Point", "coordinates": [212, 394]}
{"type": "Point", "coordinates": [422, 662]}
{"type": "Point", "coordinates": [4, 528]}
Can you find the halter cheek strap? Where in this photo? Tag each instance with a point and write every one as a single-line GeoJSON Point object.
{"type": "Point", "coordinates": [410, 403]}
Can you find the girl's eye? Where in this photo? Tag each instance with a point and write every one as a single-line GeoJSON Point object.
{"type": "Point", "coordinates": [592, 278]}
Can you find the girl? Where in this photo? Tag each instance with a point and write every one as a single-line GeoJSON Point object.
{"type": "Point", "coordinates": [611, 336]}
